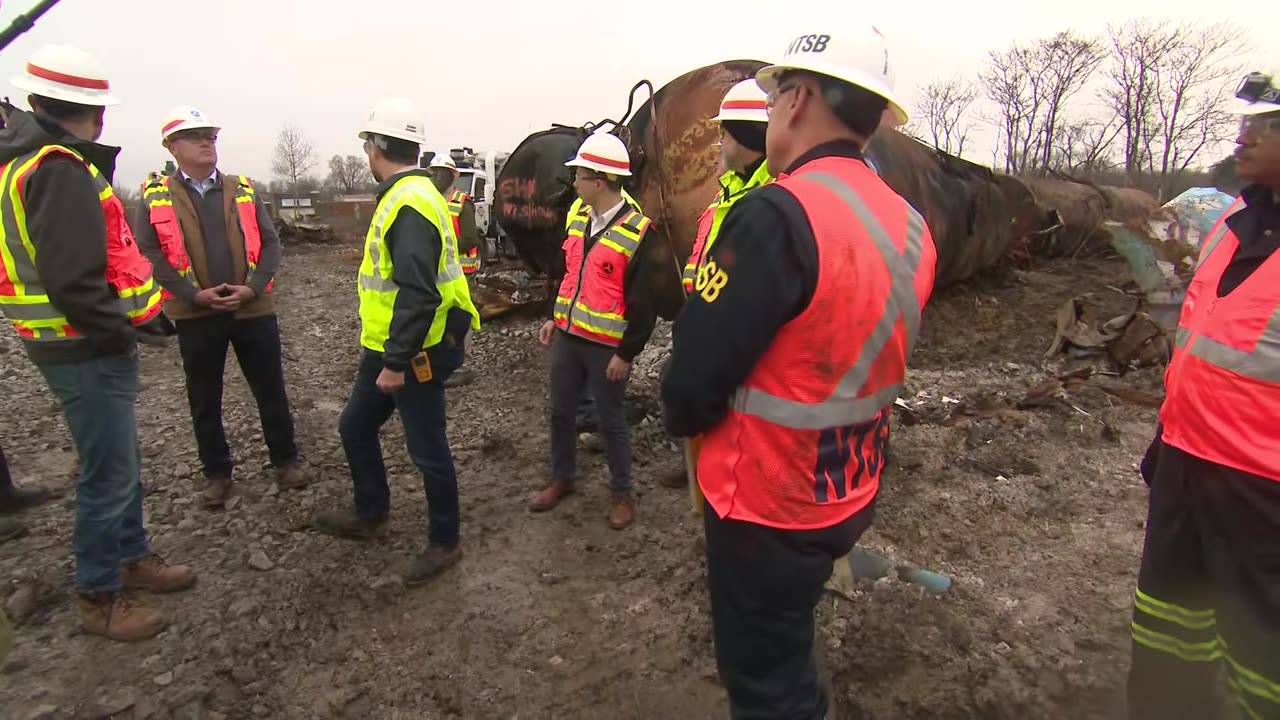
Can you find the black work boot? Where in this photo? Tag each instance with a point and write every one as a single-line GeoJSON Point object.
{"type": "Point", "coordinates": [14, 498]}
{"type": "Point", "coordinates": [11, 529]}
{"type": "Point", "coordinates": [460, 377]}
{"type": "Point", "coordinates": [347, 524]}
{"type": "Point", "coordinates": [433, 561]}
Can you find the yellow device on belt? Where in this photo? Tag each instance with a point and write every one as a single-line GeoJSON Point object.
{"type": "Point", "coordinates": [692, 446]}
{"type": "Point", "coordinates": [421, 365]}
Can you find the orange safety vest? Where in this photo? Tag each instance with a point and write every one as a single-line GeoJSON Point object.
{"type": "Point", "coordinates": [699, 243]}
{"type": "Point", "coordinates": [470, 261]}
{"type": "Point", "coordinates": [802, 444]}
{"type": "Point", "coordinates": [23, 297]}
{"type": "Point", "coordinates": [159, 201]}
{"type": "Point", "coordinates": [591, 302]}
{"type": "Point", "coordinates": [1222, 386]}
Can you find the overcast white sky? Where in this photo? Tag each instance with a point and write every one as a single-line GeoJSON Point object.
{"type": "Point", "coordinates": [488, 76]}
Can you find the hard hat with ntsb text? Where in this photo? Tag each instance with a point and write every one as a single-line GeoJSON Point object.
{"type": "Point", "coordinates": [397, 118]}
{"type": "Point", "coordinates": [604, 153]}
{"type": "Point", "coordinates": [744, 101]}
{"type": "Point", "coordinates": [857, 55]}
{"type": "Point", "coordinates": [184, 117]}
{"type": "Point", "coordinates": [62, 72]}
{"type": "Point", "coordinates": [1258, 93]}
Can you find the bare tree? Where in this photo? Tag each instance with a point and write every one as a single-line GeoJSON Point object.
{"type": "Point", "coordinates": [348, 174]}
{"type": "Point", "coordinates": [294, 158]}
{"type": "Point", "coordinates": [1008, 87]}
{"type": "Point", "coordinates": [1030, 86]}
{"type": "Point", "coordinates": [1169, 84]}
{"type": "Point", "coordinates": [941, 111]}
{"type": "Point", "coordinates": [1068, 62]}
{"type": "Point", "coordinates": [1085, 146]}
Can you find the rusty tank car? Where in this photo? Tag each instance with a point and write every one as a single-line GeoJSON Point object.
{"type": "Point", "coordinates": [975, 215]}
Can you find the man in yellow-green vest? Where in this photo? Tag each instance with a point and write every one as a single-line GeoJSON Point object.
{"type": "Point", "coordinates": [743, 120]}
{"type": "Point", "coordinates": [415, 313]}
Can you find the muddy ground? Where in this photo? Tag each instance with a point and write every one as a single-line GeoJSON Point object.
{"type": "Point", "coordinates": [1036, 512]}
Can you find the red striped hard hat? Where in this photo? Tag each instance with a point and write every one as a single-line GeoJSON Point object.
{"type": "Point", "coordinates": [184, 117]}
{"type": "Point", "coordinates": [62, 72]}
{"type": "Point", "coordinates": [744, 101]}
{"type": "Point", "coordinates": [604, 153]}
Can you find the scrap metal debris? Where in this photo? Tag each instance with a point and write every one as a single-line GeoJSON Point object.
{"type": "Point", "coordinates": [303, 232]}
{"type": "Point", "coordinates": [1131, 341]}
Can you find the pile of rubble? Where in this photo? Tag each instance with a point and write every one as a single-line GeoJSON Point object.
{"type": "Point", "coordinates": [304, 232]}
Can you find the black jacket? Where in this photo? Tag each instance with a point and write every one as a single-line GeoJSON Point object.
{"type": "Point", "coordinates": [767, 249]}
{"type": "Point", "coordinates": [67, 228]}
{"type": "Point", "coordinates": [414, 245]}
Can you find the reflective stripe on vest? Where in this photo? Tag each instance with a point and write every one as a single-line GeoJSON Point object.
{"type": "Point", "coordinates": [1222, 400]}
{"type": "Point", "coordinates": [847, 405]}
{"type": "Point", "coordinates": [732, 189]}
{"type": "Point", "coordinates": [159, 199]}
{"type": "Point", "coordinates": [376, 286]}
{"type": "Point", "coordinates": [592, 304]}
{"type": "Point", "coordinates": [470, 260]}
{"type": "Point", "coordinates": [802, 445]}
{"type": "Point", "coordinates": [23, 297]}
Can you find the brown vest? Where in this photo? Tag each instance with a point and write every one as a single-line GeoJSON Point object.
{"type": "Point", "coordinates": [193, 240]}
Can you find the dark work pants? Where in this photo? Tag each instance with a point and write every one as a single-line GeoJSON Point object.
{"type": "Point", "coordinates": [6, 480]}
{"type": "Point", "coordinates": [203, 343]}
{"type": "Point", "coordinates": [422, 412]}
{"type": "Point", "coordinates": [765, 584]}
{"type": "Point", "coordinates": [1207, 610]}
{"type": "Point", "coordinates": [576, 365]}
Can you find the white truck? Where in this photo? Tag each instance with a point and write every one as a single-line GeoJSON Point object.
{"type": "Point", "coordinates": [478, 177]}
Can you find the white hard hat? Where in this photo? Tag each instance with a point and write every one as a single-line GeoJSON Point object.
{"type": "Point", "coordinates": [744, 101]}
{"type": "Point", "coordinates": [443, 161]}
{"type": "Point", "coordinates": [184, 117]}
{"type": "Point", "coordinates": [859, 57]}
{"type": "Point", "coordinates": [1257, 94]}
{"type": "Point", "coordinates": [61, 72]}
{"type": "Point", "coordinates": [604, 153]}
{"type": "Point", "coordinates": [395, 117]}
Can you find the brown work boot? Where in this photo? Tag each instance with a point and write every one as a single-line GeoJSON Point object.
{"type": "Point", "coordinates": [293, 476]}
{"type": "Point", "coordinates": [215, 489]}
{"type": "Point", "coordinates": [551, 496]}
{"type": "Point", "coordinates": [119, 617]}
{"type": "Point", "coordinates": [675, 479]}
{"type": "Point", "coordinates": [347, 524]}
{"type": "Point", "coordinates": [435, 560]}
{"type": "Point", "coordinates": [154, 573]}
{"type": "Point", "coordinates": [622, 511]}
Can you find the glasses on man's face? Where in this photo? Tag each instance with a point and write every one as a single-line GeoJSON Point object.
{"type": "Point", "coordinates": [198, 136]}
{"type": "Point", "coordinates": [778, 92]}
{"type": "Point", "coordinates": [1259, 125]}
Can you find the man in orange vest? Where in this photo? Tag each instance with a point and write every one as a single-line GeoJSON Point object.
{"type": "Point", "coordinates": [216, 252]}
{"type": "Point", "coordinates": [462, 210]}
{"type": "Point", "coordinates": [74, 287]}
{"type": "Point", "coordinates": [787, 359]}
{"type": "Point", "coordinates": [742, 120]}
{"type": "Point", "coordinates": [1208, 595]}
{"type": "Point", "coordinates": [602, 318]}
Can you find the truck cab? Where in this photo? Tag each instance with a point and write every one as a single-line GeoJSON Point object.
{"type": "Point", "coordinates": [477, 176]}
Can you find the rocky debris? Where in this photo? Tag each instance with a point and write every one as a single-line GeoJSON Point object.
{"type": "Point", "coordinates": [315, 233]}
{"type": "Point", "coordinates": [258, 560]}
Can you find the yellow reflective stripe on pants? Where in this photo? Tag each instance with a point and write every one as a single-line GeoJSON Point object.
{"type": "Point", "coordinates": [1190, 619]}
{"type": "Point", "coordinates": [1207, 651]}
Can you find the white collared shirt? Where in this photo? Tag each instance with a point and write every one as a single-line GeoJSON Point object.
{"type": "Point", "coordinates": [598, 219]}
{"type": "Point", "coordinates": [201, 186]}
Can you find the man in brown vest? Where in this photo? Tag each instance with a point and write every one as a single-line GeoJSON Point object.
{"type": "Point", "coordinates": [215, 252]}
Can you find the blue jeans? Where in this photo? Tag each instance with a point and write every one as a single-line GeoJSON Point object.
{"type": "Point", "coordinates": [98, 398]}
{"type": "Point", "coordinates": [422, 412]}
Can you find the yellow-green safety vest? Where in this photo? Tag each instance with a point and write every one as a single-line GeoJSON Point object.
{"type": "Point", "coordinates": [732, 189]}
{"type": "Point", "coordinates": [376, 288]}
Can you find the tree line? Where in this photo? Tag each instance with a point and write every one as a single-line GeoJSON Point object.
{"type": "Point", "coordinates": [1144, 102]}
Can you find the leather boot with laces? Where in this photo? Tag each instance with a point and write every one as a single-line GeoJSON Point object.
{"type": "Point", "coordinates": [154, 573]}
{"type": "Point", "coordinates": [117, 616]}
